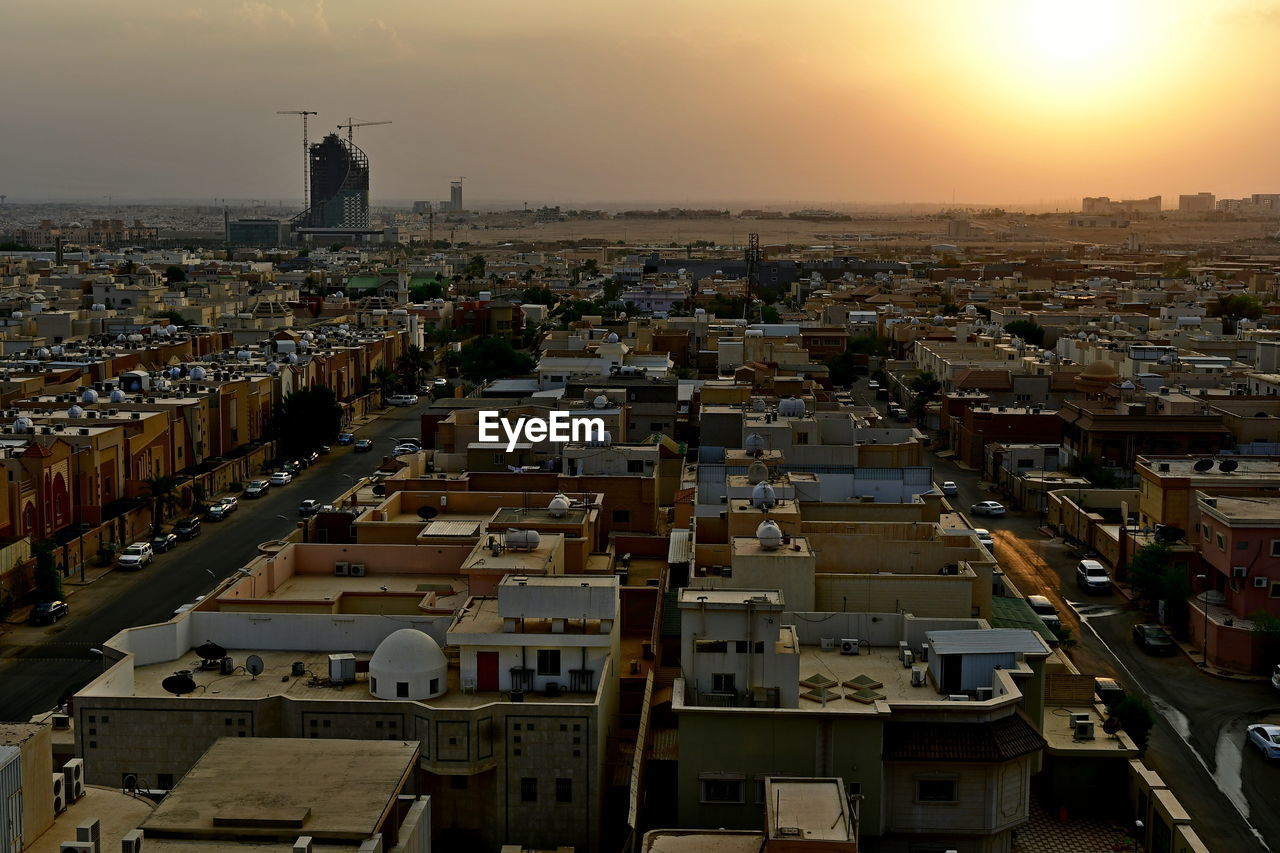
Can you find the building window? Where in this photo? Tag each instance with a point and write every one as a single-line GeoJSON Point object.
{"type": "Point", "coordinates": [1275, 589]}
{"type": "Point", "coordinates": [499, 459]}
{"type": "Point", "coordinates": [935, 790]}
{"type": "Point", "coordinates": [528, 790]}
{"type": "Point", "coordinates": [1275, 547]}
{"type": "Point", "coordinates": [621, 516]}
{"type": "Point", "coordinates": [1242, 545]}
{"type": "Point", "coordinates": [373, 687]}
{"type": "Point", "coordinates": [722, 682]}
{"type": "Point", "coordinates": [741, 646]}
{"type": "Point", "coordinates": [458, 783]}
{"type": "Point", "coordinates": [434, 686]}
{"type": "Point", "coordinates": [758, 784]}
{"type": "Point", "coordinates": [802, 438]}
{"type": "Point", "coordinates": [402, 689]}
{"type": "Point", "coordinates": [548, 661]}
{"type": "Point", "coordinates": [710, 647]}
{"type": "Point", "coordinates": [1222, 543]}
{"type": "Point", "coordinates": [656, 427]}
{"type": "Point", "coordinates": [564, 790]}
{"type": "Point", "coordinates": [635, 466]}
{"type": "Point", "coordinates": [721, 790]}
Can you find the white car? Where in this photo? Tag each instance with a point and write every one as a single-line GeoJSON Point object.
{"type": "Point", "coordinates": [1275, 676]}
{"type": "Point", "coordinates": [1044, 608]}
{"type": "Point", "coordinates": [987, 508]}
{"type": "Point", "coordinates": [1091, 576]}
{"type": "Point", "coordinates": [403, 399]}
{"type": "Point", "coordinates": [135, 556]}
{"type": "Point", "coordinates": [281, 478]}
{"type": "Point", "coordinates": [984, 536]}
{"type": "Point", "coordinates": [950, 489]}
{"type": "Point", "coordinates": [1266, 738]}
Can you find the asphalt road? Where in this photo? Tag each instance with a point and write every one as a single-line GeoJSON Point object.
{"type": "Point", "coordinates": [40, 666]}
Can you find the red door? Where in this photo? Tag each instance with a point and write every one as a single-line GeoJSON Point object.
{"type": "Point", "coordinates": [486, 670]}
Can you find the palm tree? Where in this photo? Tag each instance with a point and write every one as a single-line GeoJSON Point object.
{"type": "Point", "coordinates": [385, 381]}
{"type": "Point", "coordinates": [161, 490]}
{"type": "Point", "coordinates": [411, 365]}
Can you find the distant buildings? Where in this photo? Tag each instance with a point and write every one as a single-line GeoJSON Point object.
{"type": "Point", "coordinates": [262, 233]}
{"type": "Point", "coordinates": [339, 191]}
{"type": "Point", "coordinates": [1198, 203]}
{"type": "Point", "coordinates": [1130, 206]}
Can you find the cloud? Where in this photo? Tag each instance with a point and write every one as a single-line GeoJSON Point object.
{"type": "Point", "coordinates": [264, 16]}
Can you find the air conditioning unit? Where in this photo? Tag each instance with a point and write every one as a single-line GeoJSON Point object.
{"type": "Point", "coordinates": [357, 570]}
{"type": "Point", "coordinates": [342, 668]}
{"type": "Point", "coordinates": [848, 646]}
{"type": "Point", "coordinates": [924, 652]}
{"type": "Point", "coordinates": [828, 644]}
{"type": "Point", "coordinates": [132, 842]}
{"type": "Point", "coordinates": [1239, 571]}
{"type": "Point", "coordinates": [342, 570]}
{"type": "Point", "coordinates": [958, 697]}
{"type": "Point", "coordinates": [726, 572]}
{"type": "Point", "coordinates": [1084, 731]}
{"type": "Point", "coordinates": [908, 659]}
{"type": "Point", "coordinates": [1077, 719]}
{"type": "Point", "coordinates": [61, 721]}
{"type": "Point", "coordinates": [73, 772]}
{"type": "Point", "coordinates": [1258, 582]}
{"type": "Point", "coordinates": [984, 693]}
{"type": "Point", "coordinates": [917, 676]}
{"type": "Point", "coordinates": [59, 793]}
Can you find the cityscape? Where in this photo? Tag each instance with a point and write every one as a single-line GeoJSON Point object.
{"type": "Point", "coordinates": [890, 477]}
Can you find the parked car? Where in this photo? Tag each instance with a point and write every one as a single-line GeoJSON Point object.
{"type": "Point", "coordinates": [1266, 738]}
{"type": "Point", "coordinates": [873, 385]}
{"type": "Point", "coordinates": [345, 438]}
{"type": "Point", "coordinates": [364, 445]}
{"type": "Point", "coordinates": [48, 612]}
{"type": "Point", "coordinates": [310, 458]}
{"type": "Point", "coordinates": [402, 449]}
{"type": "Point", "coordinates": [1044, 608]}
{"type": "Point", "coordinates": [439, 381]}
{"type": "Point", "coordinates": [402, 399]}
{"type": "Point", "coordinates": [1108, 690]}
{"type": "Point", "coordinates": [230, 503]}
{"type": "Point", "coordinates": [162, 542]}
{"type": "Point", "coordinates": [309, 507]}
{"type": "Point", "coordinates": [1275, 676]}
{"type": "Point", "coordinates": [950, 489]}
{"type": "Point", "coordinates": [187, 528]}
{"type": "Point", "coordinates": [1091, 576]}
{"type": "Point", "coordinates": [992, 508]}
{"type": "Point", "coordinates": [256, 488]}
{"type": "Point", "coordinates": [281, 478]}
{"type": "Point", "coordinates": [293, 466]}
{"type": "Point", "coordinates": [984, 536]}
{"type": "Point", "coordinates": [135, 556]}
{"type": "Point", "coordinates": [902, 416]}
{"type": "Point", "coordinates": [323, 449]}
{"type": "Point", "coordinates": [1154, 640]}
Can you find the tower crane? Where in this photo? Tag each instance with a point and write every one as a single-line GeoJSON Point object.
{"type": "Point", "coordinates": [352, 124]}
{"type": "Point", "coordinates": [306, 154]}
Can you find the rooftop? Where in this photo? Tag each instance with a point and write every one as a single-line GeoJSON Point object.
{"type": "Point", "coordinates": [1241, 508]}
{"type": "Point", "coordinates": [1247, 467]}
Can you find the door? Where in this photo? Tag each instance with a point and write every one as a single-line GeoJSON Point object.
{"type": "Point", "coordinates": [487, 671]}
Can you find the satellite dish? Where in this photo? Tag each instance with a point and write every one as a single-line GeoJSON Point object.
{"type": "Point", "coordinates": [253, 665]}
{"type": "Point", "coordinates": [180, 683]}
{"type": "Point", "coordinates": [378, 489]}
{"type": "Point", "coordinates": [426, 512]}
{"type": "Point", "coordinates": [211, 651]}
{"type": "Point", "coordinates": [1228, 465]}
{"type": "Point", "coordinates": [1169, 533]}
{"type": "Point", "coordinates": [1203, 465]}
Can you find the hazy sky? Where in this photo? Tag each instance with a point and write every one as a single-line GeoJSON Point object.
{"type": "Point", "coordinates": [662, 100]}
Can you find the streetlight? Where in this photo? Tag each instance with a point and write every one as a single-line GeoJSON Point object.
{"type": "Point", "coordinates": [1204, 605]}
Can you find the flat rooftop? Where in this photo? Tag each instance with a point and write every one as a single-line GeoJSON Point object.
{"type": "Point", "coordinates": [315, 685]}
{"type": "Point", "coordinates": [250, 787]}
{"type": "Point", "coordinates": [874, 675]}
{"type": "Point", "coordinates": [1261, 508]}
{"type": "Point", "coordinates": [118, 813]}
{"type": "Point", "coordinates": [540, 515]}
{"type": "Point", "coordinates": [815, 806]}
{"type": "Point", "coordinates": [481, 616]}
{"type": "Point", "coordinates": [437, 591]}
{"type": "Point", "coordinates": [1247, 467]}
{"type": "Point", "coordinates": [702, 841]}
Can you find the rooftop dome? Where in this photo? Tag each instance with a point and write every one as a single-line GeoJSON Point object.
{"type": "Point", "coordinates": [89, 396]}
{"type": "Point", "coordinates": [611, 338]}
{"type": "Point", "coordinates": [197, 373]}
{"type": "Point", "coordinates": [600, 402]}
{"type": "Point", "coordinates": [408, 664]}
{"type": "Point", "coordinates": [75, 412]}
{"type": "Point", "coordinates": [117, 396]}
{"type": "Point", "coordinates": [24, 424]}
{"type": "Point", "coordinates": [754, 444]}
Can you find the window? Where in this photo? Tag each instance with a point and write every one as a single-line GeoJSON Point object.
{"type": "Point", "coordinates": [434, 686]}
{"type": "Point", "coordinates": [458, 783]}
{"type": "Point", "coordinates": [721, 790]}
{"type": "Point", "coordinates": [1275, 547]}
{"type": "Point", "coordinates": [1275, 589]}
{"type": "Point", "coordinates": [1222, 543]}
{"type": "Point", "coordinates": [564, 790]}
{"type": "Point", "coordinates": [373, 688]}
{"type": "Point", "coordinates": [802, 438]}
{"type": "Point", "coordinates": [935, 790]}
{"type": "Point", "coordinates": [741, 646]}
{"type": "Point", "coordinates": [402, 689]}
{"type": "Point", "coordinates": [656, 427]}
{"type": "Point", "coordinates": [710, 647]}
{"type": "Point", "coordinates": [499, 459]}
{"type": "Point", "coordinates": [1242, 545]}
{"type": "Point", "coordinates": [722, 682]}
{"type": "Point", "coordinates": [528, 790]}
{"type": "Point", "coordinates": [635, 466]}
{"type": "Point", "coordinates": [759, 647]}
{"type": "Point", "coordinates": [760, 792]}
{"type": "Point", "coordinates": [548, 661]}
{"type": "Point", "coordinates": [621, 516]}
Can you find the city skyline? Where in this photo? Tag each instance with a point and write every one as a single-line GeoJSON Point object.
{"type": "Point", "coordinates": [822, 102]}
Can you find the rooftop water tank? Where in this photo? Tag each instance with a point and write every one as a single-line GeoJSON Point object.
{"type": "Point", "coordinates": [117, 396]}
{"type": "Point", "coordinates": [559, 506]}
{"type": "Point", "coordinates": [757, 404]}
{"type": "Point", "coordinates": [75, 412]}
{"type": "Point", "coordinates": [611, 338]}
{"type": "Point", "coordinates": [24, 424]}
{"type": "Point", "coordinates": [763, 496]}
{"type": "Point", "coordinates": [600, 402]}
{"type": "Point", "coordinates": [754, 444]}
{"type": "Point", "coordinates": [769, 535]}
{"type": "Point", "coordinates": [521, 540]}
{"type": "Point", "coordinates": [197, 373]}
{"type": "Point", "coordinates": [791, 407]}
{"type": "Point", "coordinates": [757, 472]}
{"type": "Point", "coordinates": [89, 396]}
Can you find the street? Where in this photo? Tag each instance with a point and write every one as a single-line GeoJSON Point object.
{"type": "Point", "coordinates": [40, 666]}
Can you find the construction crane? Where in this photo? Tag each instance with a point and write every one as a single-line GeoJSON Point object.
{"type": "Point", "coordinates": [352, 124]}
{"type": "Point", "coordinates": [306, 154]}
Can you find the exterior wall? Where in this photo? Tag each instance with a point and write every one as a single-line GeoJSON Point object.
{"type": "Point", "coordinates": [991, 798]}
{"type": "Point", "coordinates": [922, 595]}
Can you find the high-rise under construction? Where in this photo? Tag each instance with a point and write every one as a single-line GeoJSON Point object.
{"type": "Point", "coordinates": [339, 188]}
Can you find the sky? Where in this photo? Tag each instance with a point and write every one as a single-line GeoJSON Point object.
{"type": "Point", "coordinates": [658, 102]}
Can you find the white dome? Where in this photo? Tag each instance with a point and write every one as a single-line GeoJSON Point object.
{"type": "Point", "coordinates": [754, 444]}
{"type": "Point", "coordinates": [120, 338]}
{"type": "Point", "coordinates": [43, 352]}
{"type": "Point", "coordinates": [117, 396]}
{"type": "Point", "coordinates": [307, 336]}
{"type": "Point", "coordinates": [600, 402]}
{"type": "Point", "coordinates": [769, 535]}
{"type": "Point", "coordinates": [75, 412]}
{"type": "Point", "coordinates": [763, 496]}
{"type": "Point", "coordinates": [89, 396]}
{"type": "Point", "coordinates": [244, 355]}
{"type": "Point", "coordinates": [197, 373]}
{"type": "Point", "coordinates": [559, 506]}
{"type": "Point", "coordinates": [757, 472]}
{"type": "Point", "coordinates": [521, 540]}
{"type": "Point", "coordinates": [611, 338]}
{"type": "Point", "coordinates": [136, 338]}
{"type": "Point", "coordinates": [58, 350]}
{"type": "Point", "coordinates": [408, 657]}
{"type": "Point", "coordinates": [98, 306]}
{"type": "Point", "coordinates": [175, 373]}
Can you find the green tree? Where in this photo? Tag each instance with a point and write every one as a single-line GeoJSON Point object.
{"type": "Point", "coordinates": [426, 291]}
{"type": "Point", "coordinates": [1147, 571]}
{"type": "Point", "coordinates": [1092, 469]}
{"type": "Point", "coordinates": [769, 314]}
{"type": "Point", "coordinates": [1029, 330]}
{"type": "Point", "coordinates": [163, 493]}
{"type": "Point", "coordinates": [172, 316]}
{"type": "Point", "coordinates": [174, 274]}
{"type": "Point", "coordinates": [538, 296]}
{"type": "Point", "coordinates": [48, 581]}
{"type": "Point", "coordinates": [385, 381]}
{"type": "Point", "coordinates": [925, 384]}
{"type": "Point", "coordinates": [475, 267]}
{"type": "Point", "coordinates": [1136, 718]}
{"type": "Point", "coordinates": [843, 368]}
{"type": "Point", "coordinates": [411, 365]}
{"type": "Point", "coordinates": [869, 345]}
{"type": "Point", "coordinates": [308, 418]}
{"type": "Point", "coordinates": [1236, 307]}
{"type": "Point", "coordinates": [487, 358]}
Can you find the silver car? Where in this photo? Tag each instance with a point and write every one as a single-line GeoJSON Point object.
{"type": "Point", "coordinates": [1266, 738]}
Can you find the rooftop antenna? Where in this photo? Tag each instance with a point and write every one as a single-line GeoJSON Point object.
{"type": "Point", "coordinates": [306, 154]}
{"type": "Point", "coordinates": [352, 124]}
